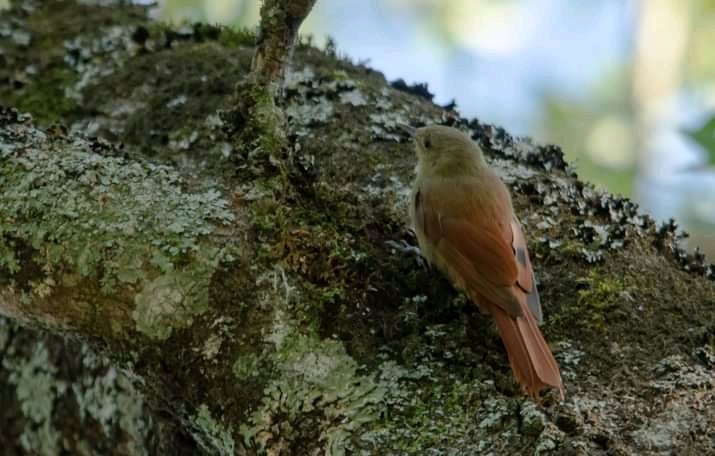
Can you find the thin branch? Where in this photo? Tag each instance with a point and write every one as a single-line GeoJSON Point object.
{"type": "Point", "coordinates": [280, 21]}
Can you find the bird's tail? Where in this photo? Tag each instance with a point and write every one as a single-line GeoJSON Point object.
{"type": "Point", "coordinates": [531, 359]}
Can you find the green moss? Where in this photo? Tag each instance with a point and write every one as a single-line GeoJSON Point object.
{"type": "Point", "coordinates": [261, 142]}
{"type": "Point", "coordinates": [228, 36]}
{"type": "Point", "coordinates": [236, 36]}
{"type": "Point", "coordinates": [600, 295]}
{"type": "Point", "coordinates": [571, 247]}
{"type": "Point", "coordinates": [121, 222]}
{"type": "Point", "coordinates": [45, 96]}
{"type": "Point", "coordinates": [269, 121]}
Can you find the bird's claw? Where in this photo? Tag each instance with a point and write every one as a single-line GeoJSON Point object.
{"type": "Point", "coordinates": [408, 249]}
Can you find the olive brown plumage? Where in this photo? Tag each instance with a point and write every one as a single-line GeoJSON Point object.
{"type": "Point", "coordinates": [465, 225]}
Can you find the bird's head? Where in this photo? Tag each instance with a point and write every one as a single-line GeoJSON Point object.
{"type": "Point", "coordinates": [445, 152]}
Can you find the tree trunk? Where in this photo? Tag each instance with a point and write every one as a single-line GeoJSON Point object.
{"type": "Point", "coordinates": [249, 303]}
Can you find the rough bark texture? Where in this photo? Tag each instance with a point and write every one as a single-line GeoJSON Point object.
{"type": "Point", "coordinates": [255, 303]}
{"type": "Point", "coordinates": [278, 32]}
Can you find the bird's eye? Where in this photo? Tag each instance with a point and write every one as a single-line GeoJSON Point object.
{"type": "Point", "coordinates": [427, 143]}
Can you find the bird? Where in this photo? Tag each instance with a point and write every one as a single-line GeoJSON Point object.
{"type": "Point", "coordinates": [465, 225]}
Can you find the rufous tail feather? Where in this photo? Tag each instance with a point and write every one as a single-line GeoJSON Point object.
{"type": "Point", "coordinates": [531, 359]}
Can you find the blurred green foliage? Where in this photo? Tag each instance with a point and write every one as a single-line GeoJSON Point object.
{"type": "Point", "coordinates": [572, 124]}
{"type": "Point", "coordinates": [705, 138]}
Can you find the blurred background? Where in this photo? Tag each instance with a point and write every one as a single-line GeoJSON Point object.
{"type": "Point", "coordinates": [626, 87]}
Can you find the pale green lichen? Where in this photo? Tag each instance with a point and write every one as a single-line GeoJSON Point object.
{"type": "Point", "coordinates": [569, 358]}
{"type": "Point", "coordinates": [662, 433]}
{"type": "Point", "coordinates": [313, 376]}
{"type": "Point", "coordinates": [37, 388]}
{"type": "Point", "coordinates": [171, 301]}
{"type": "Point", "coordinates": [108, 212]}
{"type": "Point", "coordinates": [311, 380]}
{"type": "Point", "coordinates": [436, 413]}
{"type": "Point", "coordinates": [312, 383]}
{"type": "Point", "coordinates": [112, 401]}
{"type": "Point", "coordinates": [494, 413]}
{"type": "Point", "coordinates": [533, 419]}
{"type": "Point", "coordinates": [246, 366]}
{"type": "Point", "coordinates": [549, 440]}
{"type": "Point", "coordinates": [45, 398]}
{"type": "Point", "coordinates": [210, 435]}
{"type": "Point", "coordinates": [111, 219]}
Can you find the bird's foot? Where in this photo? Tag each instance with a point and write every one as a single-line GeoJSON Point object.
{"type": "Point", "coordinates": [408, 249]}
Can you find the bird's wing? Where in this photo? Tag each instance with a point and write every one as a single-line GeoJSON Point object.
{"type": "Point", "coordinates": [525, 277]}
{"type": "Point", "coordinates": [490, 261]}
{"type": "Point", "coordinates": [478, 255]}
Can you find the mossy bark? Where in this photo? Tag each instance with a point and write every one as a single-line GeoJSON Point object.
{"type": "Point", "coordinates": [253, 303]}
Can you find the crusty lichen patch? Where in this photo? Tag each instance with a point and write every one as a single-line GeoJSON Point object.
{"type": "Point", "coordinates": [173, 299]}
{"type": "Point", "coordinates": [343, 311]}
{"type": "Point", "coordinates": [212, 437]}
{"type": "Point", "coordinates": [110, 399]}
{"type": "Point", "coordinates": [125, 223]}
{"type": "Point", "coordinates": [315, 384]}
{"type": "Point", "coordinates": [315, 396]}
{"type": "Point", "coordinates": [56, 395]}
{"type": "Point", "coordinates": [37, 390]}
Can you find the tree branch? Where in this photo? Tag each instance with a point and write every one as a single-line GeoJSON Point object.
{"type": "Point", "coordinates": [286, 322]}
{"type": "Point", "coordinates": [280, 21]}
{"type": "Point", "coordinates": [262, 140]}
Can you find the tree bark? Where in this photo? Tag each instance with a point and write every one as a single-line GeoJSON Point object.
{"type": "Point", "coordinates": [255, 307]}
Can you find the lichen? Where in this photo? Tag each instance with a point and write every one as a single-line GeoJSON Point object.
{"type": "Point", "coordinates": [549, 440]}
{"type": "Point", "coordinates": [312, 378]}
{"type": "Point", "coordinates": [172, 300]}
{"type": "Point", "coordinates": [37, 388]}
{"type": "Point", "coordinates": [122, 222]}
{"type": "Point", "coordinates": [444, 415]}
{"type": "Point", "coordinates": [211, 436]}
{"type": "Point", "coordinates": [533, 419]}
{"type": "Point", "coordinates": [112, 400]}
{"type": "Point", "coordinates": [245, 366]}
{"type": "Point", "coordinates": [68, 405]}
{"type": "Point", "coordinates": [340, 298]}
